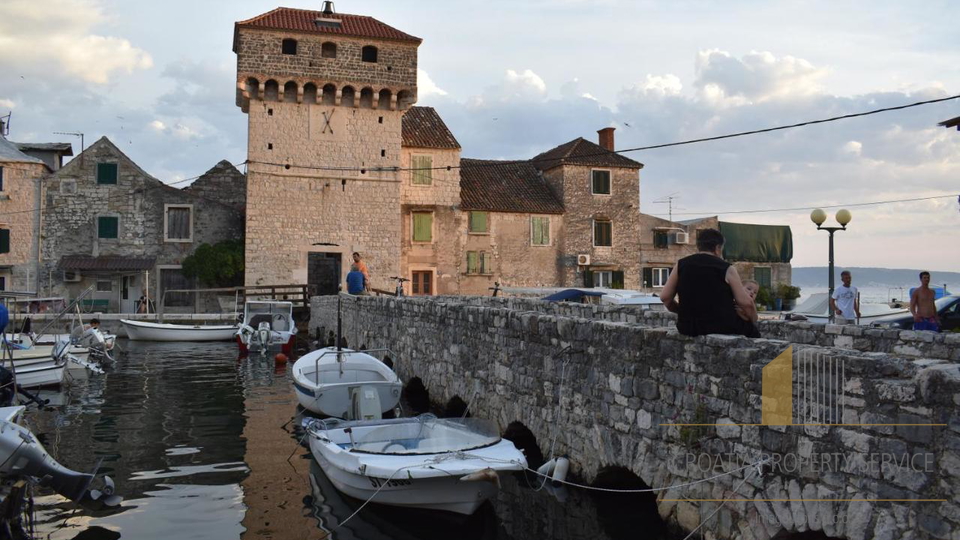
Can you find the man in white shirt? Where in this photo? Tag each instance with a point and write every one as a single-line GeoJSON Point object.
{"type": "Point", "coordinates": [846, 301]}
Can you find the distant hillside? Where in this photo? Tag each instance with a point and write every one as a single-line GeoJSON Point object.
{"type": "Point", "coordinates": [816, 276]}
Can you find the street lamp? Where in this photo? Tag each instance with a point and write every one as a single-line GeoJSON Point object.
{"type": "Point", "coordinates": [818, 216]}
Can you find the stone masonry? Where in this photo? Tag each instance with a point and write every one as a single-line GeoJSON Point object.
{"type": "Point", "coordinates": [611, 393]}
{"type": "Point", "coordinates": [19, 203]}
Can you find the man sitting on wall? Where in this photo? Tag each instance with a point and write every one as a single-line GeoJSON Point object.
{"type": "Point", "coordinates": [707, 294]}
{"type": "Point", "coordinates": [356, 283]}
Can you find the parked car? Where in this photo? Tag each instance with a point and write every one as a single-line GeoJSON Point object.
{"type": "Point", "coordinates": [948, 308]}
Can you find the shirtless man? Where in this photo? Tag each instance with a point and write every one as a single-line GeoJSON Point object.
{"type": "Point", "coordinates": [922, 306]}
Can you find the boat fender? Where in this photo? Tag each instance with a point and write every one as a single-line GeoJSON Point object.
{"type": "Point", "coordinates": [560, 471]}
{"type": "Point", "coordinates": [486, 475]}
{"type": "Point", "coordinates": [547, 468]}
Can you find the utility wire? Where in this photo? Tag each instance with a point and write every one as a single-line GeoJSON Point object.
{"type": "Point", "coordinates": [798, 208]}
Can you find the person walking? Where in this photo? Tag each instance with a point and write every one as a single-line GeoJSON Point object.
{"type": "Point", "coordinates": [923, 307]}
{"type": "Point", "coordinates": [707, 294]}
{"type": "Point", "coordinates": [846, 301]}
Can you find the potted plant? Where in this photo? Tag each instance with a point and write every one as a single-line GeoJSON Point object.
{"type": "Point", "coordinates": [789, 294]}
{"type": "Point", "coordinates": [764, 298]}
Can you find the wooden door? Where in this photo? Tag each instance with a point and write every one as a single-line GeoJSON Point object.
{"type": "Point", "coordinates": [422, 283]}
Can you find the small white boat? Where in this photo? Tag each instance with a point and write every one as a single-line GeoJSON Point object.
{"type": "Point", "coordinates": [267, 326]}
{"type": "Point", "coordinates": [423, 462]}
{"type": "Point", "coordinates": [40, 374]}
{"type": "Point", "coordinates": [352, 385]}
{"type": "Point", "coordinates": [815, 309]}
{"type": "Point", "coordinates": [151, 331]}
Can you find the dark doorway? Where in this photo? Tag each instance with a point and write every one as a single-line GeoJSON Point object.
{"type": "Point", "coordinates": [323, 272]}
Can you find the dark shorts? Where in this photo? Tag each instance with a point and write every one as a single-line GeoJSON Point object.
{"type": "Point", "coordinates": [929, 323]}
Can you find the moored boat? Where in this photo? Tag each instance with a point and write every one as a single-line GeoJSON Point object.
{"type": "Point", "coordinates": [347, 384]}
{"type": "Point", "coordinates": [266, 326]}
{"type": "Point", "coordinates": [424, 462]}
{"type": "Point", "coordinates": [151, 331]}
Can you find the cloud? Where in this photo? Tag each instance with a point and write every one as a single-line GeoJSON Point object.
{"type": "Point", "coordinates": [7, 104]}
{"type": "Point", "coordinates": [40, 38]}
{"type": "Point", "coordinates": [757, 76]}
{"type": "Point", "coordinates": [426, 87]}
{"type": "Point", "coordinates": [523, 86]}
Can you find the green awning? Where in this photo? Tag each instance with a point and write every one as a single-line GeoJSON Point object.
{"type": "Point", "coordinates": [757, 243]}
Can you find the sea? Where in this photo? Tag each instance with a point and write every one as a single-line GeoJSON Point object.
{"type": "Point", "coordinates": [877, 294]}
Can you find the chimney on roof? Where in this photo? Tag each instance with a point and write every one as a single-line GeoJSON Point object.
{"type": "Point", "coordinates": [606, 138]}
{"type": "Point", "coordinates": [328, 8]}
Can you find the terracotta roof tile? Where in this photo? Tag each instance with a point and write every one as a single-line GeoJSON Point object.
{"type": "Point", "coordinates": [106, 263]}
{"type": "Point", "coordinates": [583, 152]}
{"type": "Point", "coordinates": [304, 20]}
{"type": "Point", "coordinates": [423, 128]}
{"type": "Point", "coordinates": [505, 186]}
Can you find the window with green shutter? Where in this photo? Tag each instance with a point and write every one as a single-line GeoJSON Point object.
{"type": "Point", "coordinates": [540, 231]}
{"type": "Point", "coordinates": [108, 227]}
{"type": "Point", "coordinates": [601, 182]}
{"type": "Point", "coordinates": [473, 262]}
{"type": "Point", "coordinates": [423, 227]}
{"type": "Point", "coordinates": [602, 233]}
{"type": "Point", "coordinates": [486, 262]}
{"type": "Point", "coordinates": [4, 240]}
{"type": "Point", "coordinates": [1, 178]}
{"type": "Point", "coordinates": [422, 170]}
{"type": "Point", "coordinates": [478, 223]}
{"type": "Point", "coordinates": [762, 275]}
{"type": "Point", "coordinates": [106, 173]}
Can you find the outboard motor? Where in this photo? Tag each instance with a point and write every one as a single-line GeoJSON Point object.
{"type": "Point", "coordinates": [263, 335]}
{"type": "Point", "coordinates": [366, 403]}
{"type": "Point", "coordinates": [21, 454]}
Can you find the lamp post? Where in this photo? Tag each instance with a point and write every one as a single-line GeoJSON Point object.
{"type": "Point", "coordinates": [818, 216]}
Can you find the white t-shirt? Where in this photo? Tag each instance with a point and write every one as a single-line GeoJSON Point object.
{"type": "Point", "coordinates": [845, 298]}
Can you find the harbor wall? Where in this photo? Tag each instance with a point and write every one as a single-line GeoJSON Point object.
{"type": "Point", "coordinates": [616, 393]}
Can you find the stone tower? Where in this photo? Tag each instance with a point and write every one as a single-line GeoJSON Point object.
{"type": "Point", "coordinates": [324, 93]}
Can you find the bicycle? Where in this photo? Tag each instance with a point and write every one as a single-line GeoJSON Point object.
{"type": "Point", "coordinates": [400, 280]}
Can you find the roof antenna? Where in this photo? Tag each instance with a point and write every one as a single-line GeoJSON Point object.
{"type": "Point", "coordinates": [328, 8]}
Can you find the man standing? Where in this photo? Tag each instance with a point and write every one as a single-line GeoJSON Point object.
{"type": "Point", "coordinates": [922, 306]}
{"type": "Point", "coordinates": [846, 301]}
{"type": "Point", "coordinates": [711, 298]}
{"type": "Point", "coordinates": [362, 268]}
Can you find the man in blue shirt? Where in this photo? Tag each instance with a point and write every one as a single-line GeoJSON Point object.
{"type": "Point", "coordinates": [355, 281]}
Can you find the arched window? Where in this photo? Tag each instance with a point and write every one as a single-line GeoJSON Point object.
{"type": "Point", "coordinates": [289, 46]}
{"type": "Point", "coordinates": [253, 88]}
{"type": "Point", "coordinates": [290, 92]}
{"type": "Point", "coordinates": [272, 90]}
{"type": "Point", "coordinates": [384, 101]}
{"type": "Point", "coordinates": [348, 96]}
{"type": "Point", "coordinates": [366, 98]}
{"type": "Point", "coordinates": [405, 99]}
{"type": "Point", "coordinates": [310, 93]}
{"type": "Point", "coordinates": [369, 54]}
{"type": "Point", "coordinates": [328, 50]}
{"type": "Point", "coordinates": [329, 94]}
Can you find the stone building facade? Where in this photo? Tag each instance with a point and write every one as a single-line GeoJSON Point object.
{"type": "Point", "coordinates": [109, 224]}
{"type": "Point", "coordinates": [223, 183]}
{"type": "Point", "coordinates": [20, 180]}
{"type": "Point", "coordinates": [324, 94]}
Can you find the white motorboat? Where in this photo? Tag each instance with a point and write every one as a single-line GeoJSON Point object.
{"type": "Point", "coordinates": [151, 331]}
{"type": "Point", "coordinates": [342, 383]}
{"type": "Point", "coordinates": [423, 462]}
{"type": "Point", "coordinates": [267, 326]}
{"type": "Point", "coordinates": [815, 309]}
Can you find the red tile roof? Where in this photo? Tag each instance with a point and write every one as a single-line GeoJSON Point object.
{"type": "Point", "coordinates": [304, 20]}
{"type": "Point", "coordinates": [423, 128]}
{"type": "Point", "coordinates": [106, 263]}
{"type": "Point", "coordinates": [583, 152]}
{"type": "Point", "coordinates": [505, 186]}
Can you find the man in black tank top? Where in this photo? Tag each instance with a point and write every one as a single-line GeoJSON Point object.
{"type": "Point", "coordinates": [712, 299]}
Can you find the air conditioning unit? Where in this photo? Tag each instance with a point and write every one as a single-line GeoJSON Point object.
{"type": "Point", "coordinates": [681, 238]}
{"type": "Point", "coordinates": [583, 260]}
{"type": "Point", "coordinates": [71, 277]}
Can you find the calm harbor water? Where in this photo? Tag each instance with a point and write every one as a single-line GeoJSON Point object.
{"type": "Point", "coordinates": [201, 445]}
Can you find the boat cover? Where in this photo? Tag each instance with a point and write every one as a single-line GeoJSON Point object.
{"type": "Point", "coordinates": [571, 295]}
{"type": "Point", "coordinates": [757, 243]}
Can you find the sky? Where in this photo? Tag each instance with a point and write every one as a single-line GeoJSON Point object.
{"type": "Point", "coordinates": [512, 79]}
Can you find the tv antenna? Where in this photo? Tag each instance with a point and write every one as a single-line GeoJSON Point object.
{"type": "Point", "coordinates": [5, 124]}
{"type": "Point", "coordinates": [74, 134]}
{"type": "Point", "coordinates": [668, 200]}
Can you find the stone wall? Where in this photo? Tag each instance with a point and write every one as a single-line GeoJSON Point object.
{"type": "Point", "coordinates": [224, 184]}
{"type": "Point", "coordinates": [19, 204]}
{"type": "Point", "coordinates": [607, 393]}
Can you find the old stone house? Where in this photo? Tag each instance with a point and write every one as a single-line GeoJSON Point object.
{"type": "Point", "coordinates": [20, 179]}
{"type": "Point", "coordinates": [109, 224]}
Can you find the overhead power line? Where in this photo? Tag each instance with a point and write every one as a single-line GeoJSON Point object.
{"type": "Point", "coordinates": [824, 206]}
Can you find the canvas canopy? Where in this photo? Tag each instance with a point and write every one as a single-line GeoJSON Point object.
{"type": "Point", "coordinates": [757, 243]}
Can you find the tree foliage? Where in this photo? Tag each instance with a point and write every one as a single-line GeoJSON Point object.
{"type": "Point", "coordinates": [219, 265]}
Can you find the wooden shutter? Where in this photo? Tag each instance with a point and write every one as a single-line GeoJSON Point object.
{"type": "Point", "coordinates": [106, 173]}
{"type": "Point", "coordinates": [486, 263]}
{"type": "Point", "coordinates": [422, 170]}
{"type": "Point", "coordinates": [763, 277]}
{"type": "Point", "coordinates": [478, 222]}
{"type": "Point", "coordinates": [4, 240]}
{"type": "Point", "coordinates": [648, 277]}
{"type": "Point", "coordinates": [422, 227]}
{"type": "Point", "coordinates": [617, 281]}
{"type": "Point", "coordinates": [472, 262]}
{"type": "Point", "coordinates": [540, 231]}
{"type": "Point", "coordinates": [601, 182]}
{"type": "Point", "coordinates": [587, 279]}
{"type": "Point", "coordinates": [178, 223]}
{"type": "Point", "coordinates": [107, 227]}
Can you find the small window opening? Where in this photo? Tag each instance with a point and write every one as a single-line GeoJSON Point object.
{"type": "Point", "coordinates": [369, 54]}
{"type": "Point", "coordinates": [328, 50]}
{"type": "Point", "coordinates": [383, 153]}
{"type": "Point", "coordinates": [289, 46]}
{"type": "Point", "coordinates": [269, 146]}
{"type": "Point", "coordinates": [380, 120]}
{"type": "Point", "coordinates": [269, 112]}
